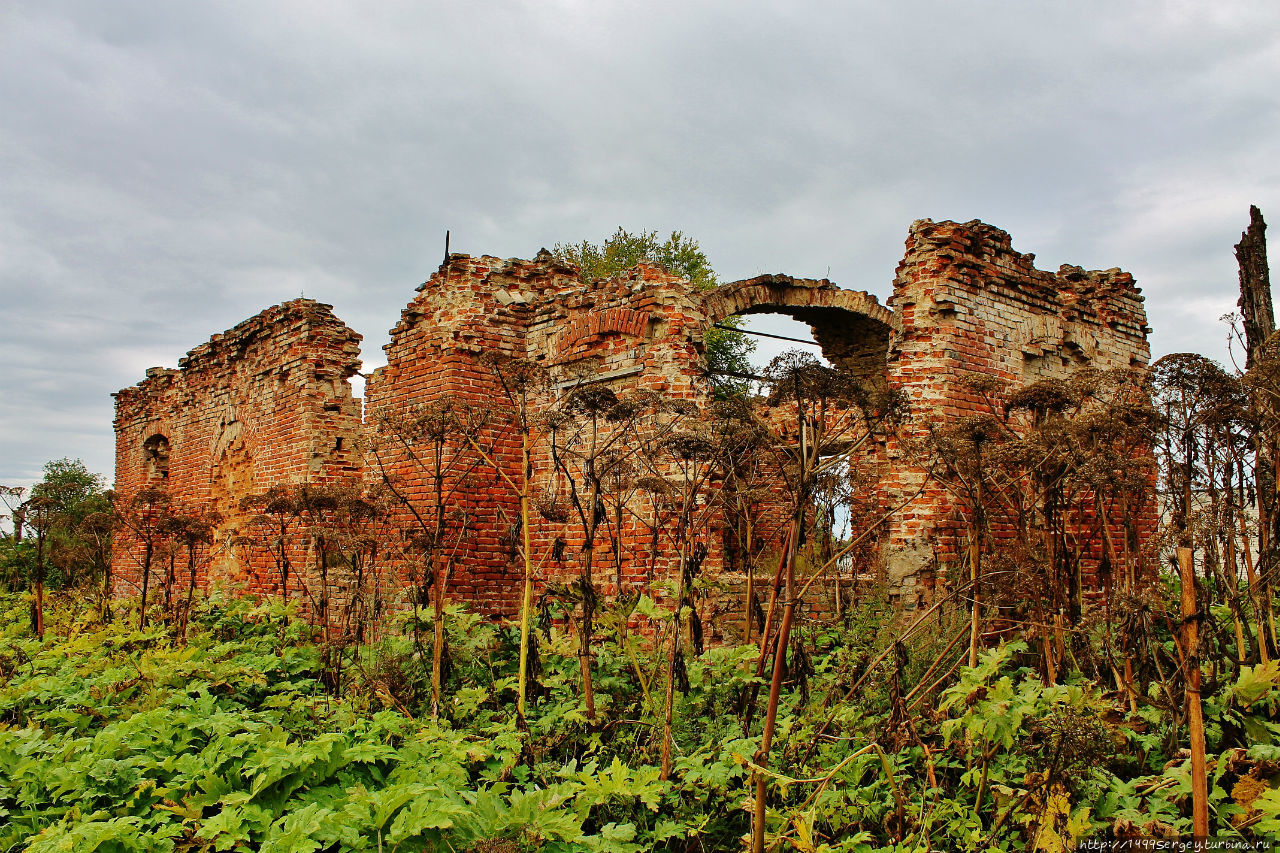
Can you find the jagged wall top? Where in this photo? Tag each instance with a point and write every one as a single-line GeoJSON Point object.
{"type": "Point", "coordinates": [304, 319]}
{"type": "Point", "coordinates": [984, 256]}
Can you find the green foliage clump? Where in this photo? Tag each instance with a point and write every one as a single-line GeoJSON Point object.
{"type": "Point", "coordinates": [114, 738]}
{"type": "Point", "coordinates": [70, 510]}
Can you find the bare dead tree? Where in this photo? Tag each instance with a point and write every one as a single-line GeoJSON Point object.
{"type": "Point", "coordinates": [692, 452]}
{"type": "Point", "coordinates": [1262, 379]}
{"type": "Point", "coordinates": [145, 516]}
{"type": "Point", "coordinates": [272, 528]}
{"type": "Point", "coordinates": [592, 442]}
{"type": "Point", "coordinates": [428, 443]}
{"type": "Point", "coordinates": [962, 447]}
{"type": "Point", "coordinates": [193, 530]}
{"type": "Point", "coordinates": [97, 529]}
{"type": "Point", "coordinates": [367, 545]}
{"type": "Point", "coordinates": [1255, 285]}
{"type": "Point", "coordinates": [746, 495]}
{"type": "Point", "coordinates": [333, 519]}
{"type": "Point", "coordinates": [40, 514]}
{"type": "Point", "coordinates": [524, 385]}
{"type": "Point", "coordinates": [822, 417]}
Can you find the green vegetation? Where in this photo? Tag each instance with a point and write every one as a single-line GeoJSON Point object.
{"type": "Point", "coordinates": [1019, 712]}
{"type": "Point", "coordinates": [1098, 659]}
{"type": "Point", "coordinates": [69, 517]}
{"type": "Point", "coordinates": [118, 739]}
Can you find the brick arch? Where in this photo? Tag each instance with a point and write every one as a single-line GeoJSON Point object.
{"type": "Point", "coordinates": [852, 328]}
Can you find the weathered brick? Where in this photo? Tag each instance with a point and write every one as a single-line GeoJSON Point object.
{"type": "Point", "coordinates": [268, 402]}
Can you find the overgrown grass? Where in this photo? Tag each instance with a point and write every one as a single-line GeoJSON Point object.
{"type": "Point", "coordinates": [118, 739]}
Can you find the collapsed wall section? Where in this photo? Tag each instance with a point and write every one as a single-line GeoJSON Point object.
{"type": "Point", "coordinates": [267, 403]}
{"type": "Point", "coordinates": [454, 504]}
{"type": "Point", "coordinates": [969, 305]}
{"type": "Point", "coordinates": [504, 345]}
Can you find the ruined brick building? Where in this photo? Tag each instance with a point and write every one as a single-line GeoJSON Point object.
{"type": "Point", "coordinates": [268, 403]}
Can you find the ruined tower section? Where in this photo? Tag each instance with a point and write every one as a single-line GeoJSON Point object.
{"type": "Point", "coordinates": [471, 311]}
{"type": "Point", "coordinates": [968, 305]}
{"type": "Point", "coordinates": [472, 328]}
{"type": "Point", "coordinates": [267, 403]}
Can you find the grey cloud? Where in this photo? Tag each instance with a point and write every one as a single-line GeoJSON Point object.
{"type": "Point", "coordinates": [171, 168]}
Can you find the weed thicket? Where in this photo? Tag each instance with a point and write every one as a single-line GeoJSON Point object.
{"type": "Point", "coordinates": [114, 738]}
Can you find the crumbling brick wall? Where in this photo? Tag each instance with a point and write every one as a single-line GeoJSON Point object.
{"type": "Point", "coordinates": [268, 402]}
{"type": "Point", "coordinates": [637, 333]}
{"type": "Point", "coordinates": [969, 305]}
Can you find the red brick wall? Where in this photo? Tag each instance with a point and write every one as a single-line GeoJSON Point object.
{"type": "Point", "coordinates": [631, 334]}
{"type": "Point", "coordinates": [264, 404]}
{"type": "Point", "coordinates": [969, 305]}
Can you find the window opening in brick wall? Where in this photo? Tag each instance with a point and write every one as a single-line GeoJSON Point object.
{"type": "Point", "coordinates": [155, 451]}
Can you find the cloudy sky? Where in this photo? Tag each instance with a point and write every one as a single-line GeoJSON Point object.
{"type": "Point", "coordinates": [169, 168]}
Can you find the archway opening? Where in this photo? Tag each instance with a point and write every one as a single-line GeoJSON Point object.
{"type": "Point", "coordinates": [835, 336]}
{"type": "Point", "coordinates": [845, 328]}
{"type": "Point", "coordinates": [773, 334]}
{"type": "Point", "coordinates": [846, 331]}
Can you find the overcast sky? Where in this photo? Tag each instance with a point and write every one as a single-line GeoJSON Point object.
{"type": "Point", "coordinates": [168, 169]}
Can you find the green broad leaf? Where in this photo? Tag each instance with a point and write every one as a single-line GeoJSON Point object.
{"type": "Point", "coordinates": [279, 771]}
{"type": "Point", "coordinates": [537, 812]}
{"type": "Point", "coordinates": [1264, 752]}
{"type": "Point", "coordinates": [297, 831]}
{"type": "Point", "coordinates": [1268, 803]}
{"type": "Point", "coordinates": [123, 834]}
{"type": "Point", "coordinates": [715, 773]}
{"type": "Point", "coordinates": [614, 838]}
{"type": "Point", "coordinates": [1256, 682]}
{"type": "Point", "coordinates": [426, 812]}
{"type": "Point", "coordinates": [468, 700]}
{"type": "Point", "coordinates": [382, 805]}
{"type": "Point", "coordinates": [646, 606]}
{"type": "Point", "coordinates": [667, 829]}
{"type": "Point", "coordinates": [367, 753]}
{"type": "Point", "coordinates": [618, 782]}
{"type": "Point", "coordinates": [235, 824]}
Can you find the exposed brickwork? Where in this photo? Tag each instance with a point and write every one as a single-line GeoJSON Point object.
{"type": "Point", "coordinates": [969, 304]}
{"type": "Point", "coordinates": [268, 402]}
{"type": "Point", "coordinates": [639, 332]}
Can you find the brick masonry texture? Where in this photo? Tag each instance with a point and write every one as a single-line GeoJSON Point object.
{"type": "Point", "coordinates": [265, 404]}
{"type": "Point", "coordinates": [968, 304]}
{"type": "Point", "coordinates": [269, 402]}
